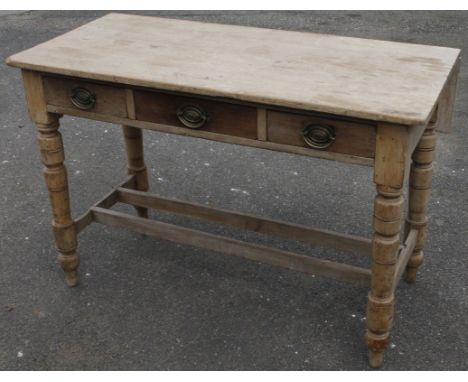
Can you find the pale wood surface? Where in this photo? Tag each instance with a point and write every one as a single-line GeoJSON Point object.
{"type": "Point", "coordinates": [377, 80]}
{"type": "Point", "coordinates": [391, 156]}
{"type": "Point", "coordinates": [447, 101]}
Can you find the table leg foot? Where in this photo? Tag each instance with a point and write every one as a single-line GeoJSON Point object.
{"type": "Point", "coordinates": [69, 263]}
{"type": "Point", "coordinates": [412, 268]}
{"type": "Point", "coordinates": [376, 358]}
{"type": "Point", "coordinates": [377, 345]}
{"type": "Point", "coordinates": [71, 279]}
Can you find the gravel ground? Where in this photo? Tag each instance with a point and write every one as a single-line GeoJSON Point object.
{"type": "Point", "coordinates": [151, 304]}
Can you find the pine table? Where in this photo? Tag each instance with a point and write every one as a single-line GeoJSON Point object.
{"type": "Point", "coordinates": [351, 100]}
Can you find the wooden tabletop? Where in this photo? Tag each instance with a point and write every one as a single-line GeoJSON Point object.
{"type": "Point", "coordinates": [377, 80]}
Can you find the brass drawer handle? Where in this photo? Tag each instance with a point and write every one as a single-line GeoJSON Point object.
{"type": "Point", "coordinates": [192, 116]}
{"type": "Point", "coordinates": [83, 98]}
{"type": "Point", "coordinates": [319, 136]}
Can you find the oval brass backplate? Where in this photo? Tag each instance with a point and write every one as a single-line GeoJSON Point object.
{"type": "Point", "coordinates": [83, 98]}
{"type": "Point", "coordinates": [319, 136]}
{"type": "Point", "coordinates": [192, 116]}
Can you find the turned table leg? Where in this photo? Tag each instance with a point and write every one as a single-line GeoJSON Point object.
{"type": "Point", "coordinates": [136, 164]}
{"type": "Point", "coordinates": [419, 193]}
{"type": "Point", "coordinates": [55, 173]}
{"type": "Point", "coordinates": [389, 174]}
{"type": "Point", "coordinates": [387, 223]}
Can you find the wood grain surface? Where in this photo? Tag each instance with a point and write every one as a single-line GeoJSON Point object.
{"type": "Point", "coordinates": [370, 79]}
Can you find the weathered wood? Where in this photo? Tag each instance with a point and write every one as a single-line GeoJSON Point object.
{"type": "Point", "coordinates": [107, 201]}
{"type": "Point", "coordinates": [351, 138]}
{"type": "Point", "coordinates": [260, 91]}
{"type": "Point", "coordinates": [223, 118]}
{"type": "Point", "coordinates": [82, 221]}
{"type": "Point", "coordinates": [291, 231]}
{"type": "Point", "coordinates": [34, 91]}
{"type": "Point", "coordinates": [109, 100]}
{"type": "Point", "coordinates": [347, 273]}
{"type": "Point", "coordinates": [332, 74]}
{"type": "Point", "coordinates": [55, 174]}
{"type": "Point", "coordinates": [414, 135]}
{"type": "Point", "coordinates": [87, 218]}
{"type": "Point", "coordinates": [390, 157]}
{"type": "Point", "coordinates": [215, 137]}
{"type": "Point", "coordinates": [419, 193]}
{"type": "Point", "coordinates": [262, 132]}
{"type": "Point", "coordinates": [133, 137]}
{"type": "Point", "coordinates": [130, 99]}
{"type": "Point", "coordinates": [446, 102]}
{"type": "Point", "coordinates": [404, 256]}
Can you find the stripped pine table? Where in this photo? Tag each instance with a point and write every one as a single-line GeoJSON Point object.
{"type": "Point", "coordinates": [351, 100]}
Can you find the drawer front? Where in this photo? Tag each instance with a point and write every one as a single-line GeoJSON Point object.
{"type": "Point", "coordinates": [345, 137]}
{"type": "Point", "coordinates": [85, 96]}
{"type": "Point", "coordinates": [197, 113]}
